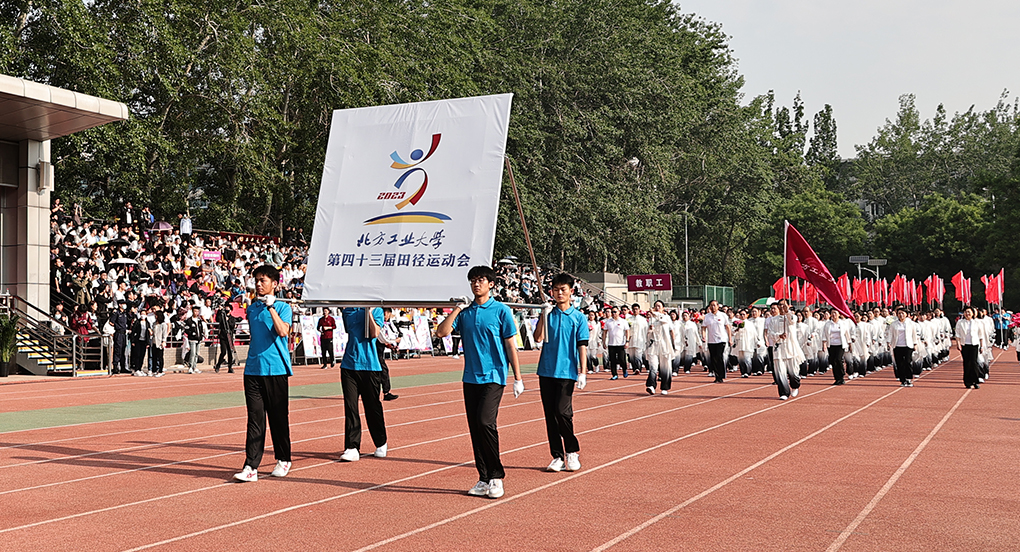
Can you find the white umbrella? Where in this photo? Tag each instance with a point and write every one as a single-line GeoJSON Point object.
{"type": "Point", "coordinates": [123, 260]}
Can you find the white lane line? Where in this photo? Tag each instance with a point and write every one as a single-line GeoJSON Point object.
{"type": "Point", "coordinates": [836, 544]}
{"type": "Point", "coordinates": [382, 485]}
{"type": "Point", "coordinates": [331, 462]}
{"type": "Point", "coordinates": [743, 472]}
{"type": "Point", "coordinates": [241, 451]}
{"type": "Point", "coordinates": [200, 422]}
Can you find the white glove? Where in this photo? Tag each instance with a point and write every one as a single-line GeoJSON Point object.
{"type": "Point", "coordinates": [547, 308]}
{"type": "Point", "coordinates": [268, 300]}
{"type": "Point", "coordinates": [582, 380]}
{"type": "Point", "coordinates": [518, 388]}
{"type": "Point", "coordinates": [463, 301]}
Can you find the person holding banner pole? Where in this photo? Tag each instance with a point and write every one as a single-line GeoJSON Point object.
{"type": "Point", "coordinates": [488, 329]}
{"type": "Point", "coordinates": [360, 377]}
{"type": "Point", "coordinates": [561, 366]}
{"type": "Point", "coordinates": [716, 332]}
{"type": "Point", "coordinates": [266, 370]}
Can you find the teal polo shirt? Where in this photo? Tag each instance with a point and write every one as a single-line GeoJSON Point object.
{"type": "Point", "coordinates": [482, 329]}
{"type": "Point", "coordinates": [360, 353]}
{"type": "Point", "coordinates": [267, 354]}
{"type": "Point", "coordinates": [559, 358]}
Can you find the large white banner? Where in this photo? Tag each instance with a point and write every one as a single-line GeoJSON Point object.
{"type": "Point", "coordinates": [408, 200]}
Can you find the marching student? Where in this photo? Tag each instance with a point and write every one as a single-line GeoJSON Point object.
{"type": "Point", "coordinates": [638, 341]}
{"type": "Point", "coordinates": [265, 377]}
{"type": "Point", "coordinates": [660, 350]}
{"type": "Point", "coordinates": [971, 336]}
{"type": "Point", "coordinates": [781, 331]}
{"type": "Point", "coordinates": [487, 328]}
{"type": "Point", "coordinates": [615, 335]}
{"type": "Point", "coordinates": [562, 364]}
{"type": "Point", "coordinates": [594, 342]}
{"type": "Point", "coordinates": [691, 339]}
{"type": "Point", "coordinates": [717, 332]}
{"type": "Point", "coordinates": [836, 340]}
{"type": "Point", "coordinates": [901, 336]}
{"type": "Point", "coordinates": [359, 377]}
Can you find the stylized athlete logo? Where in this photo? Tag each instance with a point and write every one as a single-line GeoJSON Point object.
{"type": "Point", "coordinates": [417, 157]}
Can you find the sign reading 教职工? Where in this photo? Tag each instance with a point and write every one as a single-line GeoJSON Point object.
{"type": "Point", "coordinates": [408, 200]}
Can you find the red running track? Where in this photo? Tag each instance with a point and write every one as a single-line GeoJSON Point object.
{"type": "Point", "coordinates": [865, 466]}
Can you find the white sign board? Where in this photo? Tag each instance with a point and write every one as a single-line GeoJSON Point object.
{"type": "Point", "coordinates": [408, 200]}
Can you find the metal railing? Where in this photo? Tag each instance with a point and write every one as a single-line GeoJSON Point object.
{"type": "Point", "coordinates": [48, 341]}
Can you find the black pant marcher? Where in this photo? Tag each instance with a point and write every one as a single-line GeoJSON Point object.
{"type": "Point", "coordinates": [617, 357]}
{"type": "Point", "coordinates": [384, 376]}
{"type": "Point", "coordinates": [970, 364]}
{"type": "Point", "coordinates": [663, 372]}
{"type": "Point", "coordinates": [481, 403]}
{"type": "Point", "coordinates": [558, 404]}
{"type": "Point", "coordinates": [266, 396]}
{"type": "Point", "coordinates": [363, 383]}
{"type": "Point", "coordinates": [903, 357]}
{"type": "Point", "coordinates": [326, 344]}
{"type": "Point", "coordinates": [716, 361]}
{"type": "Point", "coordinates": [836, 361]}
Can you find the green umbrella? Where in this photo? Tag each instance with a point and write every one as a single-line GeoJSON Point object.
{"type": "Point", "coordinates": [764, 302]}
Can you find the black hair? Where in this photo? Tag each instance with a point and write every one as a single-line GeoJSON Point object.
{"type": "Point", "coordinates": [635, 306]}
{"type": "Point", "coordinates": [563, 279]}
{"type": "Point", "coordinates": [267, 270]}
{"type": "Point", "coordinates": [482, 271]}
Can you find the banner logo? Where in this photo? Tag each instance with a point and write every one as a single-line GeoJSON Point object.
{"type": "Point", "coordinates": [417, 157]}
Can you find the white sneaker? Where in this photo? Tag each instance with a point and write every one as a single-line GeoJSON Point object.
{"type": "Point", "coordinates": [556, 465]}
{"type": "Point", "coordinates": [380, 452]}
{"type": "Point", "coordinates": [573, 461]}
{"type": "Point", "coordinates": [138, 373]}
{"type": "Point", "coordinates": [495, 488]}
{"type": "Point", "coordinates": [350, 455]}
{"type": "Point", "coordinates": [480, 489]}
{"type": "Point", "coordinates": [247, 475]}
{"type": "Point", "coordinates": [650, 389]}
{"type": "Point", "coordinates": [282, 469]}
{"type": "Point", "coordinates": [664, 392]}
{"type": "Point", "coordinates": [158, 375]}
{"type": "Point", "coordinates": [795, 392]}
{"type": "Point", "coordinates": [782, 397]}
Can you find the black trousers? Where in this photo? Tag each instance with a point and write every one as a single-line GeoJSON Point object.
{"type": "Point", "coordinates": [617, 357]}
{"type": "Point", "coordinates": [138, 349]}
{"type": "Point", "coordinates": [156, 354]}
{"type": "Point", "coordinates": [384, 377]}
{"type": "Point", "coordinates": [119, 350]}
{"type": "Point", "coordinates": [558, 404]}
{"type": "Point", "coordinates": [365, 384]}
{"type": "Point", "coordinates": [481, 403]}
{"type": "Point", "coordinates": [970, 364]}
{"type": "Point", "coordinates": [836, 361]}
{"type": "Point", "coordinates": [226, 350]}
{"type": "Point", "coordinates": [902, 357]}
{"type": "Point", "coordinates": [716, 362]}
{"type": "Point", "coordinates": [266, 396]}
{"type": "Point", "coordinates": [327, 351]}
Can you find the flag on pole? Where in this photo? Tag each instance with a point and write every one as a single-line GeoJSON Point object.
{"type": "Point", "coordinates": [779, 289]}
{"type": "Point", "coordinates": [962, 293]}
{"type": "Point", "coordinates": [802, 261]}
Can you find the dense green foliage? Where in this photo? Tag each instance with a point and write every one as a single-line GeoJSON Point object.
{"type": "Point", "coordinates": [627, 120]}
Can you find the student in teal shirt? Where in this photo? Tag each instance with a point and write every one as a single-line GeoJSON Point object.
{"type": "Point", "coordinates": [487, 329]}
{"type": "Point", "coordinates": [561, 365]}
{"type": "Point", "coordinates": [265, 377]}
{"type": "Point", "coordinates": [359, 377]}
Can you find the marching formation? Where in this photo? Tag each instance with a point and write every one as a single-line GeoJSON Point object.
{"type": "Point", "coordinates": [774, 338]}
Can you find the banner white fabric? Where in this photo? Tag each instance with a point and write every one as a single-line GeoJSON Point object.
{"type": "Point", "coordinates": [408, 200]}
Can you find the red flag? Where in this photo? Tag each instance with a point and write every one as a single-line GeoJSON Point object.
{"type": "Point", "coordinates": [989, 294]}
{"type": "Point", "coordinates": [779, 289]}
{"type": "Point", "coordinates": [810, 295]}
{"type": "Point", "coordinates": [802, 261]}
{"type": "Point", "coordinates": [1001, 285]}
{"type": "Point", "coordinates": [919, 293]}
{"type": "Point", "coordinates": [958, 282]}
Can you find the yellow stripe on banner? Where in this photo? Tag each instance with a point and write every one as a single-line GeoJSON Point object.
{"type": "Point", "coordinates": [407, 218]}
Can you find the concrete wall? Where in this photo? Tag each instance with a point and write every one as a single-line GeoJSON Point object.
{"type": "Point", "coordinates": [25, 228]}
